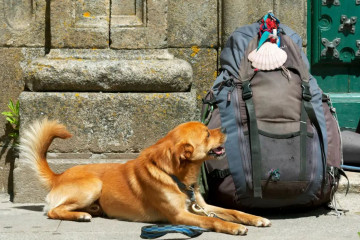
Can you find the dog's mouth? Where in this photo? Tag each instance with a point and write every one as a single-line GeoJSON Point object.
{"type": "Point", "coordinates": [217, 152]}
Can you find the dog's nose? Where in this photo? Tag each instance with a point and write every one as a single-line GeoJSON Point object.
{"type": "Point", "coordinates": [223, 130]}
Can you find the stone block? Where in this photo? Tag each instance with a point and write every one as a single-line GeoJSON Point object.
{"type": "Point", "coordinates": [193, 23]}
{"type": "Point", "coordinates": [292, 14]}
{"type": "Point", "coordinates": [109, 122]}
{"type": "Point", "coordinates": [109, 71]}
{"type": "Point", "coordinates": [354, 180]}
{"type": "Point", "coordinates": [27, 187]}
{"type": "Point", "coordinates": [22, 23]}
{"type": "Point", "coordinates": [11, 81]}
{"type": "Point", "coordinates": [138, 24]}
{"type": "Point", "coordinates": [237, 13]}
{"type": "Point", "coordinates": [80, 24]}
{"type": "Point", "coordinates": [11, 85]}
{"type": "Point", "coordinates": [204, 64]}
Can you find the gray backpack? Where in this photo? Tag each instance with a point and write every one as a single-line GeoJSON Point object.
{"type": "Point", "coordinates": [283, 143]}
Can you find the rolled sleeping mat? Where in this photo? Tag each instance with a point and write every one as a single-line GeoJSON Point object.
{"type": "Point", "coordinates": [351, 148]}
{"type": "Point", "coordinates": [350, 168]}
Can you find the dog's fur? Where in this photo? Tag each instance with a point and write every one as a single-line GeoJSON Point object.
{"type": "Point", "coordinates": [139, 190]}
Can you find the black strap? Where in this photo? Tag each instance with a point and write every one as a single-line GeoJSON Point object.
{"type": "Point", "coordinates": [220, 173]}
{"type": "Point", "coordinates": [203, 182]}
{"type": "Point", "coordinates": [188, 190]}
{"type": "Point", "coordinates": [303, 138]}
{"type": "Point", "coordinates": [254, 139]}
{"type": "Point", "coordinates": [209, 108]}
{"type": "Point", "coordinates": [342, 173]}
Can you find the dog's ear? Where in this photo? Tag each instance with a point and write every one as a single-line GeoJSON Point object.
{"type": "Point", "coordinates": [185, 151]}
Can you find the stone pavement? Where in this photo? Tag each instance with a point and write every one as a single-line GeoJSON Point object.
{"type": "Point", "coordinates": [27, 221]}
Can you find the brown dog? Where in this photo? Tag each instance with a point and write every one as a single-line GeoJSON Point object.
{"type": "Point", "coordinates": [146, 189]}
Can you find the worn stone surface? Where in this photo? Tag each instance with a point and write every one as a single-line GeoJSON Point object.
{"type": "Point", "coordinates": [22, 23]}
{"type": "Point", "coordinates": [79, 24]}
{"type": "Point", "coordinates": [193, 23]}
{"type": "Point", "coordinates": [109, 122]}
{"type": "Point", "coordinates": [11, 84]}
{"type": "Point", "coordinates": [109, 70]}
{"type": "Point", "coordinates": [132, 30]}
{"type": "Point", "coordinates": [11, 81]}
{"type": "Point", "coordinates": [204, 65]}
{"type": "Point", "coordinates": [27, 221]}
{"type": "Point", "coordinates": [237, 13]}
{"type": "Point", "coordinates": [354, 179]}
{"type": "Point", "coordinates": [292, 14]}
{"type": "Point", "coordinates": [27, 187]}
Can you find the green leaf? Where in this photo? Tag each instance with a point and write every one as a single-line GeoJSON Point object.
{"type": "Point", "coordinates": [13, 135]}
{"type": "Point", "coordinates": [17, 107]}
{"type": "Point", "coordinates": [9, 114]}
{"type": "Point", "coordinates": [11, 105]}
{"type": "Point", "coordinates": [10, 120]}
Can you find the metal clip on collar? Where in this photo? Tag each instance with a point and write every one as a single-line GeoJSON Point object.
{"type": "Point", "coordinates": [198, 209]}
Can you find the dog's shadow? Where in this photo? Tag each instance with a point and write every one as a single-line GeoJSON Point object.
{"type": "Point", "coordinates": [33, 208]}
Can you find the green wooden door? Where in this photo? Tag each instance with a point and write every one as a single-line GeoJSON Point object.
{"type": "Point", "coordinates": [334, 53]}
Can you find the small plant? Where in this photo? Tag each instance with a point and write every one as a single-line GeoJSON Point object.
{"type": "Point", "coordinates": [12, 117]}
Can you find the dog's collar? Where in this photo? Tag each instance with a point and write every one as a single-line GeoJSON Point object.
{"type": "Point", "coordinates": [188, 190]}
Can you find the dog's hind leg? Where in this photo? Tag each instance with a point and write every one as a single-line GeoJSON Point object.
{"type": "Point", "coordinates": [65, 199]}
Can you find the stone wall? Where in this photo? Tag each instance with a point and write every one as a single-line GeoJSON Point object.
{"type": "Point", "coordinates": [119, 74]}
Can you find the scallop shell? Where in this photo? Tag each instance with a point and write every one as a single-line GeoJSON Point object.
{"type": "Point", "coordinates": [268, 57]}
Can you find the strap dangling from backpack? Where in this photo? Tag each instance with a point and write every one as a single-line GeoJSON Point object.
{"type": "Point", "coordinates": [254, 139]}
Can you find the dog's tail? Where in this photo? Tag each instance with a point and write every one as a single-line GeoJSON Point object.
{"type": "Point", "coordinates": [34, 144]}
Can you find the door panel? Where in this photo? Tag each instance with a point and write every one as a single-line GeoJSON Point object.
{"type": "Point", "coordinates": [334, 53]}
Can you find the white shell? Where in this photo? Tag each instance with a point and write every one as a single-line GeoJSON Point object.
{"type": "Point", "coordinates": [268, 57]}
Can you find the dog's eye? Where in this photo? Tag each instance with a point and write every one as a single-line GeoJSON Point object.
{"type": "Point", "coordinates": [208, 134]}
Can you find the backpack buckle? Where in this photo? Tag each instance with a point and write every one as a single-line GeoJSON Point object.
{"type": "Point", "coordinates": [246, 90]}
{"type": "Point", "coordinates": [306, 94]}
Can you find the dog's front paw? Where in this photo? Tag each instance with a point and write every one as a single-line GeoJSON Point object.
{"type": "Point", "coordinates": [84, 217]}
{"type": "Point", "coordinates": [262, 222]}
{"type": "Point", "coordinates": [242, 230]}
{"type": "Point", "coordinates": [231, 228]}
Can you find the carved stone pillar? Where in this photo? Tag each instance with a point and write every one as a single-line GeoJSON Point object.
{"type": "Point", "coordinates": [138, 24]}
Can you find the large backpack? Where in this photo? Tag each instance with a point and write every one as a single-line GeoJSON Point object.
{"type": "Point", "coordinates": [283, 144]}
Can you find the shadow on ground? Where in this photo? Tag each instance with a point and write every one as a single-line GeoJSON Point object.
{"type": "Point", "coordinates": [34, 208]}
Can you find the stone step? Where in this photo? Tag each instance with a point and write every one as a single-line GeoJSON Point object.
{"type": "Point", "coordinates": [347, 107]}
{"type": "Point", "coordinates": [108, 70]}
{"type": "Point", "coordinates": [109, 122]}
{"type": "Point", "coordinates": [354, 181]}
